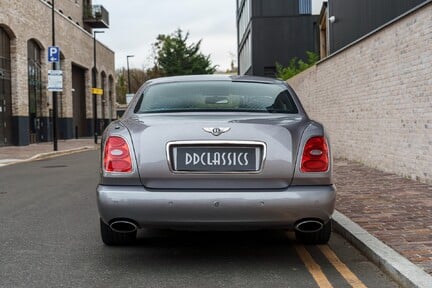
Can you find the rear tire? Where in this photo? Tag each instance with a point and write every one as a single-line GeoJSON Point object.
{"type": "Point", "coordinates": [112, 238]}
{"type": "Point", "coordinates": [315, 238]}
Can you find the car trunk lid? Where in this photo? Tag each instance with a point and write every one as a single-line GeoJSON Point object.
{"type": "Point", "coordinates": [215, 150]}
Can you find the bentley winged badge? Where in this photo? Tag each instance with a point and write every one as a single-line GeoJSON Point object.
{"type": "Point", "coordinates": [216, 131]}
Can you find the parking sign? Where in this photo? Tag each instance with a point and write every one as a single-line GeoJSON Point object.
{"type": "Point", "coordinates": [53, 54]}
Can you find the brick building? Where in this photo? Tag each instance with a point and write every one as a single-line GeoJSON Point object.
{"type": "Point", "coordinates": [25, 103]}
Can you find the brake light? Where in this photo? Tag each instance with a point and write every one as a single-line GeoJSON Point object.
{"type": "Point", "coordinates": [117, 156]}
{"type": "Point", "coordinates": [315, 156]}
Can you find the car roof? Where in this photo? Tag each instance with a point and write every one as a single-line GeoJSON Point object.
{"type": "Point", "coordinates": [215, 77]}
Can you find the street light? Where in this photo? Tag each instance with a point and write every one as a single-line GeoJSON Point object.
{"type": "Point", "coordinates": [95, 126]}
{"type": "Point", "coordinates": [127, 60]}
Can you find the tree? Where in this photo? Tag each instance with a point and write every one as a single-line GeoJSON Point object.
{"type": "Point", "coordinates": [137, 78]}
{"type": "Point", "coordinates": [296, 66]}
{"type": "Point", "coordinates": [172, 56]}
{"type": "Point", "coordinates": [175, 57]}
{"type": "Point", "coordinates": [121, 86]}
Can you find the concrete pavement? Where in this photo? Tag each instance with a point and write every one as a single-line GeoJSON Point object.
{"type": "Point", "coordinates": [389, 218]}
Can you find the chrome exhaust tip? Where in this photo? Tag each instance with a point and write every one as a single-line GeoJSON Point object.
{"type": "Point", "coordinates": [309, 226]}
{"type": "Point", "coordinates": [123, 226]}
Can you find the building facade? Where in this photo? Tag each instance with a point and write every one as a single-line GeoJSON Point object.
{"type": "Point", "coordinates": [344, 21]}
{"type": "Point", "coordinates": [25, 103]}
{"type": "Point", "coordinates": [275, 31]}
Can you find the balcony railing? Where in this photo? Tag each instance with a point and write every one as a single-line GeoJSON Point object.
{"type": "Point", "coordinates": [96, 16]}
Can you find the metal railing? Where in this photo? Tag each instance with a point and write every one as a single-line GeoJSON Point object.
{"type": "Point", "coordinates": [96, 16]}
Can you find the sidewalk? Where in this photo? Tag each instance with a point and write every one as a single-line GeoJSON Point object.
{"type": "Point", "coordinates": [13, 154]}
{"type": "Point", "coordinates": [395, 210]}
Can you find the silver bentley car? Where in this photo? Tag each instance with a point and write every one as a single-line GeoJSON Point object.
{"type": "Point", "coordinates": [215, 153]}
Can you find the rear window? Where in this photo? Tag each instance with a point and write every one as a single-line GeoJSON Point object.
{"type": "Point", "coordinates": [216, 96]}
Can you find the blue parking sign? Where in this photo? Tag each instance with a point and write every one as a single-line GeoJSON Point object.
{"type": "Point", "coordinates": [53, 54]}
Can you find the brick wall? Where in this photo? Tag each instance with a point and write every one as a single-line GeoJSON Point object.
{"type": "Point", "coordinates": [375, 97]}
{"type": "Point", "coordinates": [31, 19]}
{"type": "Point", "coordinates": [72, 9]}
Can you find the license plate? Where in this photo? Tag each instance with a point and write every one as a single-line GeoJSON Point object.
{"type": "Point", "coordinates": [216, 159]}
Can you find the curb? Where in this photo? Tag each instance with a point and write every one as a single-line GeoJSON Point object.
{"type": "Point", "coordinates": [388, 260]}
{"type": "Point", "coordinates": [60, 153]}
{"type": "Point", "coordinates": [52, 154]}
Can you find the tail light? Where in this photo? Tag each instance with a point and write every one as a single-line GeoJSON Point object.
{"type": "Point", "coordinates": [315, 156]}
{"type": "Point", "coordinates": [117, 155]}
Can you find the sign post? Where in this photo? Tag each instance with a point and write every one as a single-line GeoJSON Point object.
{"type": "Point", "coordinates": [54, 57]}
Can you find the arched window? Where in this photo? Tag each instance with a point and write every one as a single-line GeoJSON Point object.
{"type": "Point", "coordinates": [5, 90]}
{"type": "Point", "coordinates": [35, 90]}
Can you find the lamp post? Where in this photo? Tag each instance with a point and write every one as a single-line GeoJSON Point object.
{"type": "Point", "coordinates": [54, 94]}
{"type": "Point", "coordinates": [127, 60]}
{"type": "Point", "coordinates": [95, 122]}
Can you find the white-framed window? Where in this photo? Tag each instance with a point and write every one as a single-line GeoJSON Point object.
{"type": "Point", "coordinates": [244, 18]}
{"type": "Point", "coordinates": [305, 7]}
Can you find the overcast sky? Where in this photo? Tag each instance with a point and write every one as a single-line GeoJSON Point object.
{"type": "Point", "coordinates": [135, 24]}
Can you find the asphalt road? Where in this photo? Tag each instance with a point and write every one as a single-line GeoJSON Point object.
{"type": "Point", "coordinates": [49, 237]}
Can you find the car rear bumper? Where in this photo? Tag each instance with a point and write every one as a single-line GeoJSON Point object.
{"type": "Point", "coordinates": [210, 209]}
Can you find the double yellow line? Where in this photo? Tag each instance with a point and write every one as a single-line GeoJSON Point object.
{"type": "Point", "coordinates": [318, 275]}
